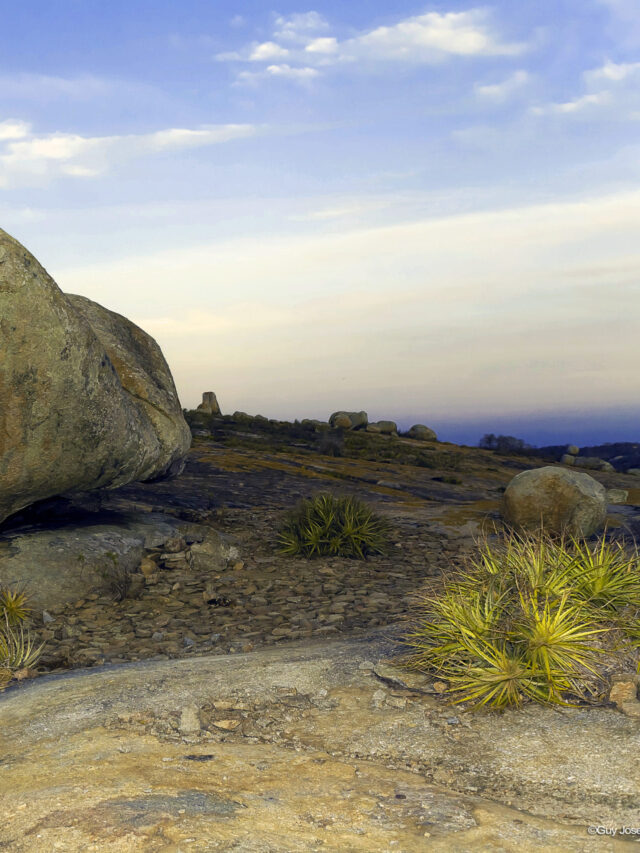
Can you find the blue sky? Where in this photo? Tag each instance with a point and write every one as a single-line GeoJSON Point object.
{"type": "Point", "coordinates": [429, 211]}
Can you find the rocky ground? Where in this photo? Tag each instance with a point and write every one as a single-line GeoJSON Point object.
{"type": "Point", "coordinates": [183, 734]}
{"type": "Point", "coordinates": [177, 607]}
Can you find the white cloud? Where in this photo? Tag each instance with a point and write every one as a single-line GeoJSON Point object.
{"type": "Point", "coordinates": [267, 50]}
{"type": "Point", "coordinates": [30, 158]}
{"type": "Point", "coordinates": [506, 89]}
{"type": "Point", "coordinates": [612, 72]}
{"type": "Point", "coordinates": [300, 74]}
{"type": "Point", "coordinates": [13, 129]}
{"type": "Point", "coordinates": [421, 39]}
{"type": "Point", "coordinates": [430, 37]}
{"type": "Point", "coordinates": [579, 104]}
{"type": "Point", "coordinates": [322, 45]}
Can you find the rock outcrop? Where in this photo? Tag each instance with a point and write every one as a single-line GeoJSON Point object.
{"type": "Point", "coordinates": [87, 400]}
{"type": "Point", "coordinates": [556, 499]}
{"type": "Point", "coordinates": [349, 420]}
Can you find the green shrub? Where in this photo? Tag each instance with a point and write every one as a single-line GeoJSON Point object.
{"type": "Point", "coordinates": [326, 525]}
{"type": "Point", "coordinates": [531, 618]}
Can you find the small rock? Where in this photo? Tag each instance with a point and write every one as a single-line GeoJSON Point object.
{"type": "Point", "coordinates": [624, 690]}
{"type": "Point", "coordinates": [227, 725]}
{"type": "Point", "coordinates": [378, 698]}
{"type": "Point", "coordinates": [47, 617]}
{"type": "Point", "coordinates": [174, 545]}
{"type": "Point", "coordinates": [157, 636]}
{"type": "Point", "coordinates": [404, 678]}
{"type": "Point", "coordinates": [190, 720]}
{"type": "Point", "coordinates": [187, 642]}
{"type": "Point", "coordinates": [148, 566]}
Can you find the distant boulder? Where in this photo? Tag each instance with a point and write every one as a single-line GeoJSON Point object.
{"type": "Point", "coordinates": [556, 499]}
{"type": "Point", "coordinates": [209, 404]}
{"type": "Point", "coordinates": [421, 433]}
{"type": "Point", "coordinates": [635, 472]}
{"type": "Point", "coordinates": [87, 400]}
{"type": "Point", "coordinates": [593, 463]}
{"type": "Point", "coordinates": [349, 420]}
{"type": "Point", "coordinates": [572, 449]}
{"type": "Point", "coordinates": [315, 423]}
{"type": "Point", "coordinates": [567, 459]}
{"type": "Point", "coordinates": [383, 427]}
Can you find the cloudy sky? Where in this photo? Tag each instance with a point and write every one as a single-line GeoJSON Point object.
{"type": "Point", "coordinates": [430, 211]}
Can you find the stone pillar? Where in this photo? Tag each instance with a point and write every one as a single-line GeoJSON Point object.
{"type": "Point", "coordinates": [209, 404]}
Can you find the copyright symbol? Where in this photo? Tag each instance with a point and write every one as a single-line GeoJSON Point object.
{"type": "Point", "coordinates": [592, 830]}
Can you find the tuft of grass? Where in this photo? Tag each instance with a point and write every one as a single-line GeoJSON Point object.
{"type": "Point", "coordinates": [530, 618]}
{"type": "Point", "coordinates": [326, 525]}
{"type": "Point", "coordinates": [117, 577]}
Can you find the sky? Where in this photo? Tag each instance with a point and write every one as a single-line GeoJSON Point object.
{"type": "Point", "coordinates": [429, 211]}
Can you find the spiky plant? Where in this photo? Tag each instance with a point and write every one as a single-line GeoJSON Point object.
{"type": "Point", "coordinates": [17, 650]}
{"type": "Point", "coordinates": [531, 618]}
{"type": "Point", "coordinates": [13, 606]}
{"type": "Point", "coordinates": [326, 525]}
{"type": "Point", "coordinates": [605, 575]}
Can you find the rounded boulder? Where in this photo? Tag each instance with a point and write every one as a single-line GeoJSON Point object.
{"type": "Point", "coordinates": [422, 433]}
{"type": "Point", "coordinates": [556, 500]}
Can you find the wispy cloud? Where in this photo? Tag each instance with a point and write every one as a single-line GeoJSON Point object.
{"type": "Point", "coordinates": [507, 88]}
{"type": "Point", "coordinates": [299, 27]}
{"type": "Point", "coordinates": [25, 86]}
{"type": "Point", "coordinates": [612, 88]}
{"type": "Point", "coordinates": [28, 158]}
{"type": "Point", "coordinates": [416, 295]}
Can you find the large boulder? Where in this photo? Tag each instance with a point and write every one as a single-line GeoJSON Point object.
{"type": "Point", "coordinates": [421, 433]}
{"type": "Point", "coordinates": [556, 499]}
{"type": "Point", "coordinates": [87, 400]}
{"type": "Point", "coordinates": [349, 420]}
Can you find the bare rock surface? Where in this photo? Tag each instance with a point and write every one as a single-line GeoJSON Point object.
{"type": "Point", "coordinates": [86, 398]}
{"type": "Point", "coordinates": [300, 749]}
{"type": "Point", "coordinates": [60, 564]}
